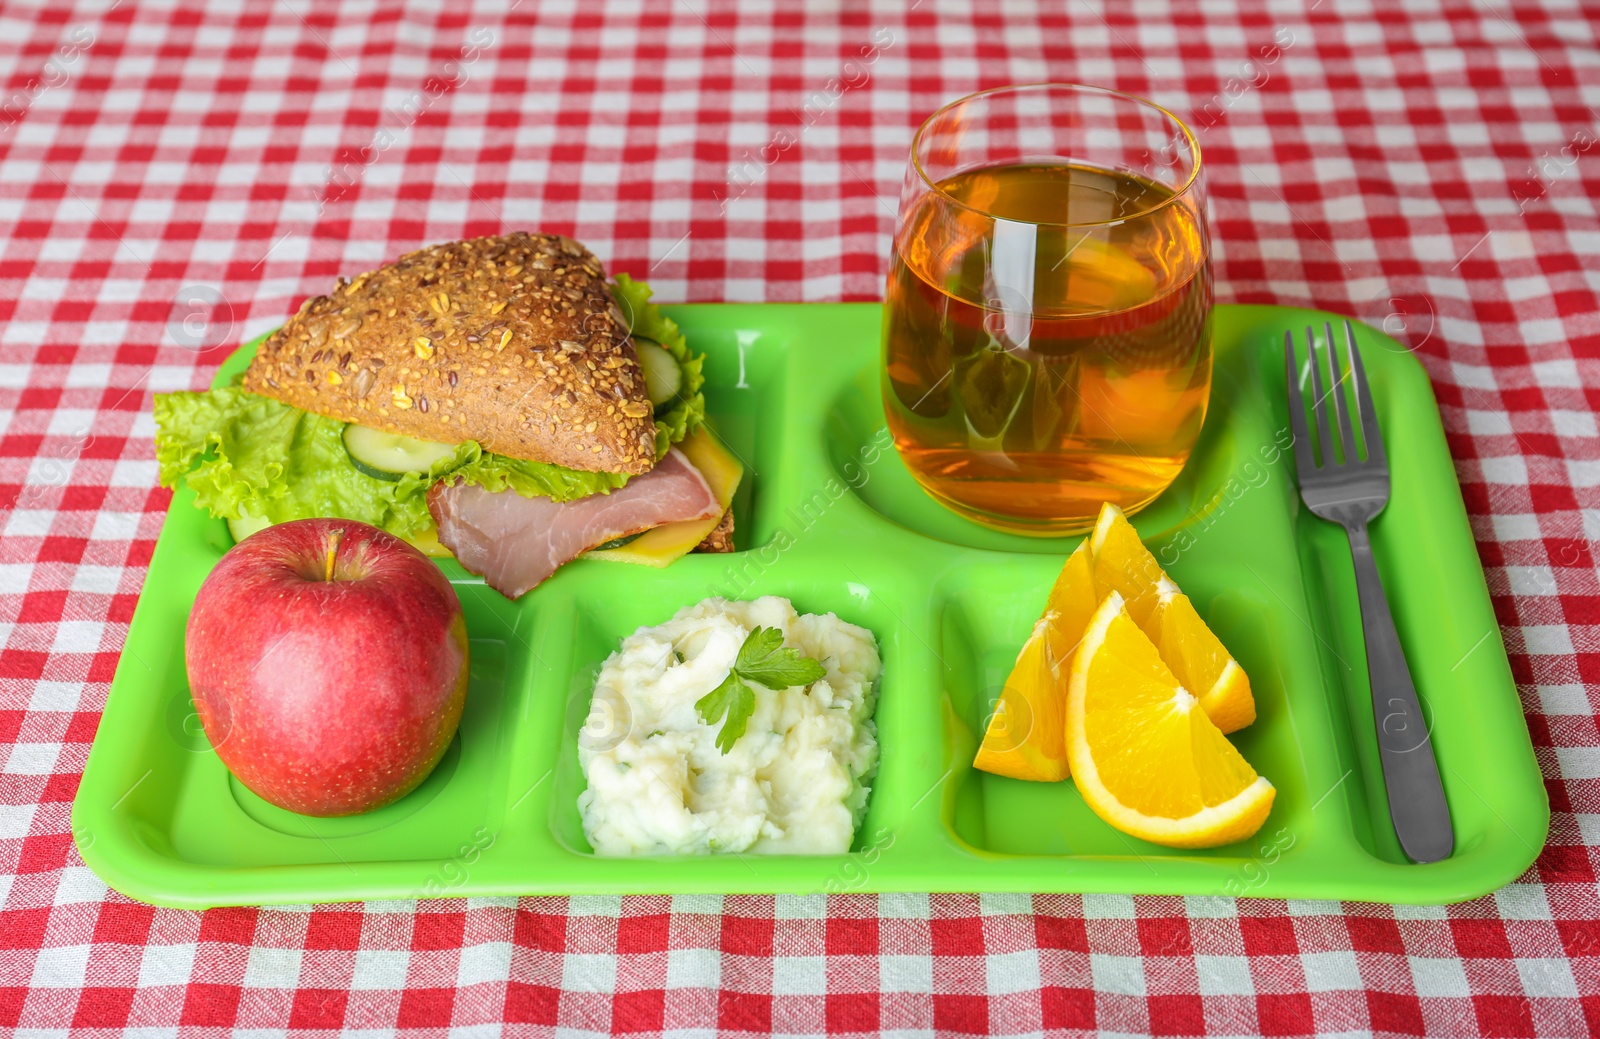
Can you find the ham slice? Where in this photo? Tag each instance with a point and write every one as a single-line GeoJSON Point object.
{"type": "Point", "coordinates": [516, 542]}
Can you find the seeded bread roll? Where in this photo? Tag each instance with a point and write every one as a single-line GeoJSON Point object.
{"type": "Point", "coordinates": [721, 537]}
{"type": "Point", "coordinates": [513, 341]}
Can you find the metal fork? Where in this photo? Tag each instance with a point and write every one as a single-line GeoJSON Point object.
{"type": "Point", "coordinates": [1351, 490]}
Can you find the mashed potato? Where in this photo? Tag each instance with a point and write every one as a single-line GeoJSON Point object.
{"type": "Point", "coordinates": [794, 783]}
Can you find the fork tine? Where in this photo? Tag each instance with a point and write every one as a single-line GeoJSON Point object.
{"type": "Point", "coordinates": [1371, 435]}
{"type": "Point", "coordinates": [1319, 401]}
{"type": "Point", "coordinates": [1345, 428]}
{"type": "Point", "coordinates": [1303, 461]}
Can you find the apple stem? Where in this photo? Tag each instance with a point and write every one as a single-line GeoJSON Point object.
{"type": "Point", "coordinates": [333, 550]}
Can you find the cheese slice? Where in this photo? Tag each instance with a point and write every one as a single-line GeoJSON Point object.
{"type": "Point", "coordinates": [427, 542]}
{"type": "Point", "coordinates": [671, 541]}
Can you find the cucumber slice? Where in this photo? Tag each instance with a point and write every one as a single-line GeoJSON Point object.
{"type": "Point", "coordinates": [246, 525]}
{"type": "Point", "coordinates": [662, 376]}
{"type": "Point", "coordinates": [619, 542]}
{"type": "Point", "coordinates": [389, 456]}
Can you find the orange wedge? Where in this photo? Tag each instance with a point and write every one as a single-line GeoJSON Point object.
{"type": "Point", "coordinates": [1191, 649]}
{"type": "Point", "coordinates": [1026, 736]}
{"type": "Point", "coordinates": [1073, 596]}
{"type": "Point", "coordinates": [1143, 757]}
{"type": "Point", "coordinates": [1123, 565]}
{"type": "Point", "coordinates": [1199, 660]}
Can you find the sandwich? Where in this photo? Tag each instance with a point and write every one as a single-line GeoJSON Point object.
{"type": "Point", "coordinates": [495, 399]}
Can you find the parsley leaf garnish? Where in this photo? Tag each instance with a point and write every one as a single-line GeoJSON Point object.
{"type": "Point", "coordinates": [763, 660]}
{"type": "Point", "coordinates": [735, 700]}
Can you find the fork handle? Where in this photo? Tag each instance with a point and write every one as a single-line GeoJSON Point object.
{"type": "Point", "coordinates": [1410, 774]}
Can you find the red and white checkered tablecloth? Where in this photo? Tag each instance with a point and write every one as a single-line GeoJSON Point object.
{"type": "Point", "coordinates": [174, 178]}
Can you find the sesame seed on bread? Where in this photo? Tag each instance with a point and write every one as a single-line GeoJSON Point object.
{"type": "Point", "coordinates": [513, 341]}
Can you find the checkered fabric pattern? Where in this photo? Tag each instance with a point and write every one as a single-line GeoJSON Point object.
{"type": "Point", "coordinates": [174, 178]}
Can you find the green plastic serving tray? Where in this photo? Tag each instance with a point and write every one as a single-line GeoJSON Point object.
{"type": "Point", "coordinates": [830, 518]}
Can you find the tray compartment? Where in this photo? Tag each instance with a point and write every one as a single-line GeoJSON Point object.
{"type": "Point", "coordinates": [748, 377]}
{"type": "Point", "coordinates": [215, 821]}
{"type": "Point", "coordinates": [173, 810]}
{"type": "Point", "coordinates": [1438, 642]}
{"type": "Point", "coordinates": [871, 596]}
{"type": "Point", "coordinates": [981, 634]}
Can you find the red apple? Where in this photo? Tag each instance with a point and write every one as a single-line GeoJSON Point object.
{"type": "Point", "coordinates": [328, 664]}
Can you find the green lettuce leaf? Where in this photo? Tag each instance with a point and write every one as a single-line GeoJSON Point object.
{"type": "Point", "coordinates": [530, 479]}
{"type": "Point", "coordinates": [248, 455]}
{"type": "Point", "coordinates": [244, 454]}
{"type": "Point", "coordinates": [646, 319]}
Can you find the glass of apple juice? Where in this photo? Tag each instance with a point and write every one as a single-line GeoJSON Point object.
{"type": "Point", "coordinates": [1047, 334]}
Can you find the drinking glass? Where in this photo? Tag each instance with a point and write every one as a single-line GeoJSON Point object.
{"type": "Point", "coordinates": [1046, 337]}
